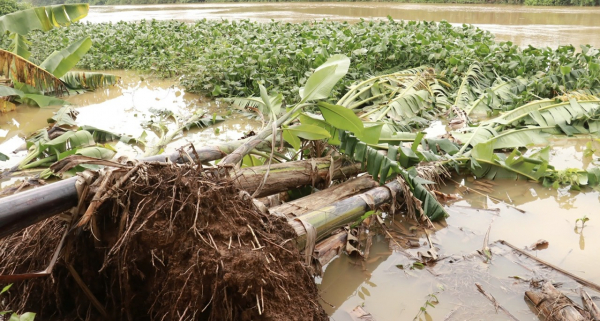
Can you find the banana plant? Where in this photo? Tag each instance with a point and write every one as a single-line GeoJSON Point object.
{"type": "Point", "coordinates": [351, 130]}
{"type": "Point", "coordinates": [44, 153]}
{"type": "Point", "coordinates": [21, 23]}
{"type": "Point", "coordinates": [318, 87]}
{"type": "Point", "coordinates": [533, 123]}
{"type": "Point", "coordinates": [45, 78]}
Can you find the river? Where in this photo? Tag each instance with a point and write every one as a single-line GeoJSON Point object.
{"type": "Point", "coordinates": [536, 26]}
{"type": "Point", "coordinates": [519, 212]}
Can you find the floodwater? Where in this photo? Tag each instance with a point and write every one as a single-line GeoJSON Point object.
{"type": "Point", "coordinates": [518, 212]}
{"type": "Point", "coordinates": [122, 109]}
{"type": "Point", "coordinates": [536, 26]}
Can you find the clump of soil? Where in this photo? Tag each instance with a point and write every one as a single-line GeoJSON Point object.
{"type": "Point", "coordinates": [171, 242]}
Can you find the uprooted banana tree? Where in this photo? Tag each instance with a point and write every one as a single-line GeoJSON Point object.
{"type": "Point", "coordinates": [31, 84]}
{"type": "Point", "coordinates": [492, 148]}
{"type": "Point", "coordinates": [341, 127]}
{"type": "Point", "coordinates": [377, 121]}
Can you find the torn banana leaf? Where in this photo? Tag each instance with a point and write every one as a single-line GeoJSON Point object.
{"type": "Point", "coordinates": [41, 152]}
{"type": "Point", "coordinates": [77, 80]}
{"type": "Point", "coordinates": [485, 163]}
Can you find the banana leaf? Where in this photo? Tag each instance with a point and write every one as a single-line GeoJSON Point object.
{"type": "Point", "coordinates": [100, 135]}
{"type": "Point", "coordinates": [472, 86]}
{"type": "Point", "coordinates": [42, 153]}
{"type": "Point", "coordinates": [497, 97]}
{"type": "Point", "coordinates": [64, 116]}
{"type": "Point", "coordinates": [400, 96]}
{"type": "Point", "coordinates": [60, 62]}
{"type": "Point", "coordinates": [43, 18]}
{"type": "Point", "coordinates": [77, 80]}
{"type": "Point", "coordinates": [19, 69]}
{"type": "Point", "coordinates": [383, 168]}
{"type": "Point", "coordinates": [20, 23]}
{"type": "Point", "coordinates": [487, 164]}
{"type": "Point", "coordinates": [324, 78]}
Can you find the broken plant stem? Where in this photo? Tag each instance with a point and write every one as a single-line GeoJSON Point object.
{"type": "Point", "coordinates": [494, 302]}
{"type": "Point", "coordinates": [236, 156]}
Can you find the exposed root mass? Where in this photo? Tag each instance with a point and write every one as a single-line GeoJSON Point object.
{"type": "Point", "coordinates": [169, 243]}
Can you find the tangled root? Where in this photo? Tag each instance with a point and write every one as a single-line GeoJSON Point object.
{"type": "Point", "coordinates": [172, 242]}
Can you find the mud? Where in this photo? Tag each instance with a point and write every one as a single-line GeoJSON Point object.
{"type": "Point", "coordinates": [170, 243]}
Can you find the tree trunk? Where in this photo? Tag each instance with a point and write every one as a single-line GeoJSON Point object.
{"type": "Point", "coordinates": [325, 197]}
{"type": "Point", "coordinates": [288, 175]}
{"type": "Point", "coordinates": [29, 207]}
{"type": "Point", "coordinates": [328, 218]}
{"type": "Point", "coordinates": [24, 209]}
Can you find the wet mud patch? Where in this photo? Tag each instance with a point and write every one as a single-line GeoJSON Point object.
{"type": "Point", "coordinates": [166, 242]}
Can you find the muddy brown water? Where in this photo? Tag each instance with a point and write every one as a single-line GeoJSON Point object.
{"type": "Point", "coordinates": [379, 284]}
{"type": "Point", "coordinates": [537, 26]}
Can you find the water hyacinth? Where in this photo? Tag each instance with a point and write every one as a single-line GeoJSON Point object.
{"type": "Point", "coordinates": [226, 58]}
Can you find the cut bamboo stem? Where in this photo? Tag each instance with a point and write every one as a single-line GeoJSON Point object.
{"type": "Point", "coordinates": [329, 248]}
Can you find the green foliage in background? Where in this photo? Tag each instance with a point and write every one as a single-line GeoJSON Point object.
{"type": "Point", "coordinates": [10, 6]}
{"type": "Point", "coordinates": [225, 58]}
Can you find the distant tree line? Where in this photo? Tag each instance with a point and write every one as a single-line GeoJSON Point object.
{"type": "Point", "coordinates": [525, 2]}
